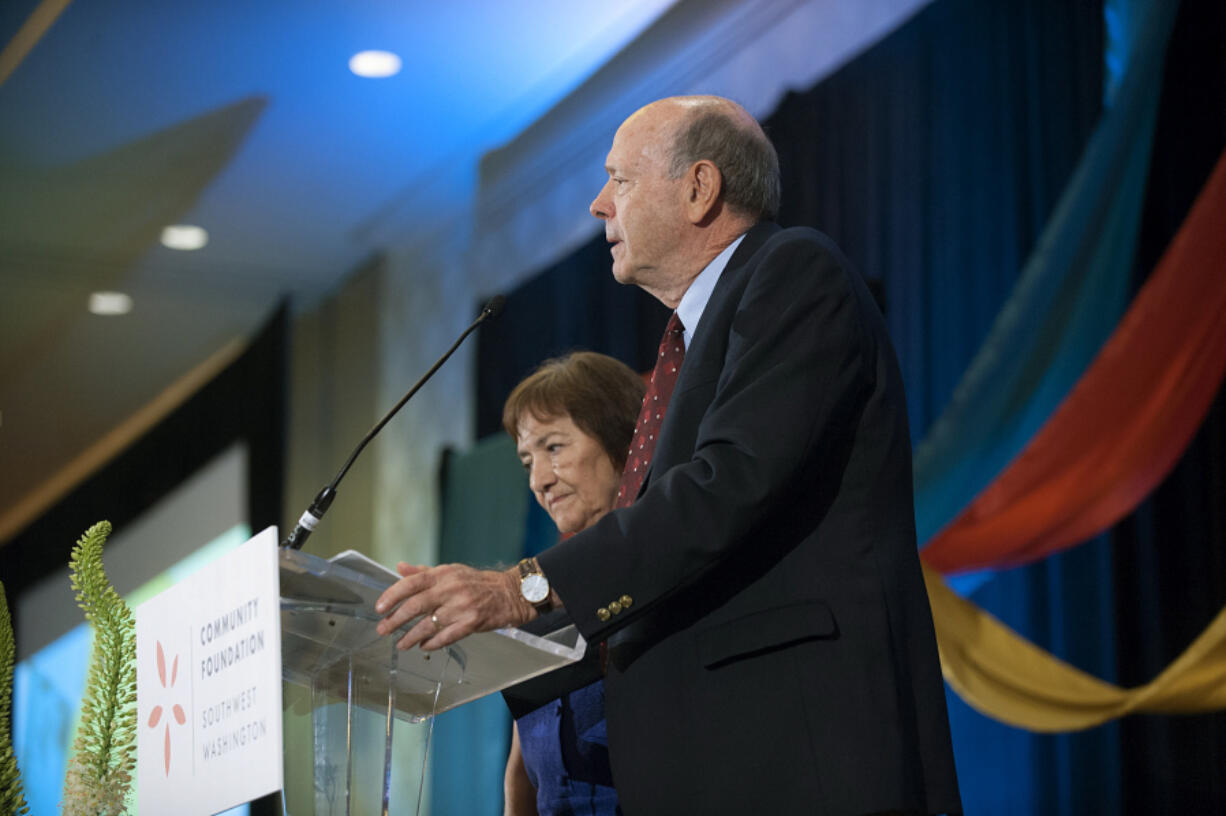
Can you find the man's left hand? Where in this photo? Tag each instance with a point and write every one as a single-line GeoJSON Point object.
{"type": "Point", "coordinates": [452, 602]}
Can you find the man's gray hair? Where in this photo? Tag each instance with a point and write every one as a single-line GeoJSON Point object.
{"type": "Point", "coordinates": [745, 157]}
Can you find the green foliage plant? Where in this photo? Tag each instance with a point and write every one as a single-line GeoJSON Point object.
{"type": "Point", "coordinates": [100, 772]}
{"type": "Point", "coordinates": [12, 799]}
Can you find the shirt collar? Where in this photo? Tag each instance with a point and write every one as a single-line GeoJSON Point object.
{"type": "Point", "coordinates": [694, 301]}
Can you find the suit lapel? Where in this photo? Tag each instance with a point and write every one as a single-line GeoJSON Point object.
{"type": "Point", "coordinates": [704, 355]}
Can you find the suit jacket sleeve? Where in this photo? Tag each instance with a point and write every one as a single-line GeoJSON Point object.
{"type": "Point", "coordinates": [773, 380]}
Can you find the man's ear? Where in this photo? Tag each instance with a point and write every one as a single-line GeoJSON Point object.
{"type": "Point", "coordinates": [702, 189]}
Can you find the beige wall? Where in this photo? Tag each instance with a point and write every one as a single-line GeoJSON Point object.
{"type": "Point", "coordinates": [353, 356]}
{"type": "Point", "coordinates": [333, 371]}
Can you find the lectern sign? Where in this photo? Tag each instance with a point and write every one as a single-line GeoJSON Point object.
{"type": "Point", "coordinates": [208, 686]}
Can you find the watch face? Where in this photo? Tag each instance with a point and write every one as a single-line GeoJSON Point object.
{"type": "Point", "coordinates": [534, 588]}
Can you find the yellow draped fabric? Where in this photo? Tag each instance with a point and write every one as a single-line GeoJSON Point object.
{"type": "Point", "coordinates": [1098, 455]}
{"type": "Point", "coordinates": [1007, 677]}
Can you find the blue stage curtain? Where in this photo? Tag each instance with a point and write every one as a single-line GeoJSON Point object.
{"type": "Point", "coordinates": [935, 160]}
{"type": "Point", "coordinates": [1072, 291]}
{"type": "Point", "coordinates": [1169, 558]}
{"type": "Point", "coordinates": [574, 304]}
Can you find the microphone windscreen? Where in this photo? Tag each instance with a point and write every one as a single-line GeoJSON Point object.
{"type": "Point", "coordinates": [495, 306]}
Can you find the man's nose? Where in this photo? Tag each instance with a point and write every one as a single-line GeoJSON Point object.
{"type": "Point", "coordinates": [602, 205]}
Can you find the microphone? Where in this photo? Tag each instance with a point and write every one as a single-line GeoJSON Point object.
{"type": "Point", "coordinates": [323, 500]}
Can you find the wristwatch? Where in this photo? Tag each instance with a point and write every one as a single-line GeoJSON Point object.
{"type": "Point", "coordinates": [533, 585]}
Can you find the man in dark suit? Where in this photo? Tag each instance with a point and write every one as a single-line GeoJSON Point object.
{"type": "Point", "coordinates": [770, 645]}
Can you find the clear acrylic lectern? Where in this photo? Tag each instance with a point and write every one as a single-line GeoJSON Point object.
{"type": "Point", "coordinates": [354, 685]}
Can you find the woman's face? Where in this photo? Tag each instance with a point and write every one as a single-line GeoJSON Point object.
{"type": "Point", "coordinates": [569, 472]}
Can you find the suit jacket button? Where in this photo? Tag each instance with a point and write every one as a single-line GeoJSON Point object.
{"type": "Point", "coordinates": [603, 614]}
{"type": "Point", "coordinates": [626, 600]}
{"type": "Point", "coordinates": [615, 608]}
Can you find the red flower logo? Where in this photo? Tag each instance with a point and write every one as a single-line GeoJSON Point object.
{"type": "Point", "coordinates": [176, 710]}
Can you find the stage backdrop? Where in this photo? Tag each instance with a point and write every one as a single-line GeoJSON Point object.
{"type": "Point", "coordinates": [935, 159]}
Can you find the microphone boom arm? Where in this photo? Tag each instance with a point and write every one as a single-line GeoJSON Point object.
{"type": "Point", "coordinates": [323, 500]}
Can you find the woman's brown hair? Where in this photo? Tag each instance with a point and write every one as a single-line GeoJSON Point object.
{"type": "Point", "coordinates": [602, 396]}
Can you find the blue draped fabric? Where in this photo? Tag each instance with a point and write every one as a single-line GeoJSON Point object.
{"type": "Point", "coordinates": [1069, 298]}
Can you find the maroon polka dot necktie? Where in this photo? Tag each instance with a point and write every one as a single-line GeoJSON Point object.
{"type": "Point", "coordinates": [651, 416]}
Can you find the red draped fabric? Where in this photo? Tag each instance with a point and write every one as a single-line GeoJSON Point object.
{"type": "Point", "coordinates": [1127, 421]}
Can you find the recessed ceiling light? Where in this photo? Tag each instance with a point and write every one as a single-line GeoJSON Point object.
{"type": "Point", "coordinates": [374, 64]}
{"type": "Point", "coordinates": [110, 303]}
{"type": "Point", "coordinates": [184, 236]}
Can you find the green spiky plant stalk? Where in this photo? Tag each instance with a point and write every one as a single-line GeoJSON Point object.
{"type": "Point", "coordinates": [12, 799]}
{"type": "Point", "coordinates": [104, 754]}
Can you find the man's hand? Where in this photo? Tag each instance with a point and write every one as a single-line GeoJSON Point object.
{"type": "Point", "coordinates": [453, 601]}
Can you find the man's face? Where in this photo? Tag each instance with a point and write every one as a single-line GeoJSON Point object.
{"type": "Point", "coordinates": [640, 205]}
